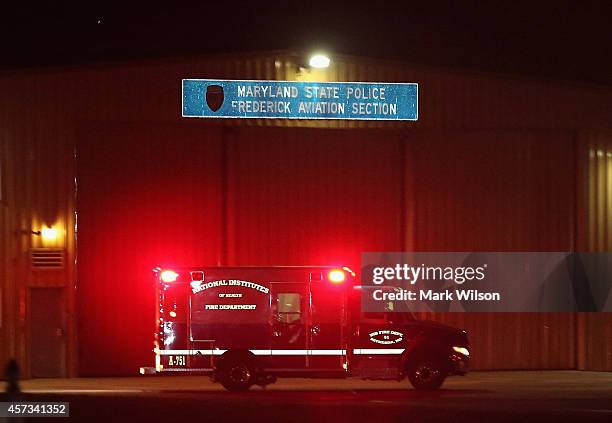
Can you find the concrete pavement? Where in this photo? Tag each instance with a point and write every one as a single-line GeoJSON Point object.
{"type": "Point", "coordinates": [546, 396]}
{"type": "Point", "coordinates": [553, 384]}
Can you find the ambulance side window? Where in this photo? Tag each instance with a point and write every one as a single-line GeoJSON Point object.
{"type": "Point", "coordinates": [288, 307]}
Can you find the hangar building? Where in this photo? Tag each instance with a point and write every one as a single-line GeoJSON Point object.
{"type": "Point", "coordinates": [102, 180]}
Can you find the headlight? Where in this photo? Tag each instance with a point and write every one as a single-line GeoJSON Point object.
{"type": "Point", "coordinates": [462, 350]}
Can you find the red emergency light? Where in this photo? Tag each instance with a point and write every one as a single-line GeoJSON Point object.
{"type": "Point", "coordinates": [168, 276]}
{"type": "Point", "coordinates": [336, 276]}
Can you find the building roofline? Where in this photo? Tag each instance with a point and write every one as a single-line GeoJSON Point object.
{"type": "Point", "coordinates": [185, 58]}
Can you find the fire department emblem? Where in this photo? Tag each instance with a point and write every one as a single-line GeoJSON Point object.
{"type": "Point", "coordinates": [214, 97]}
{"type": "Point", "coordinates": [386, 337]}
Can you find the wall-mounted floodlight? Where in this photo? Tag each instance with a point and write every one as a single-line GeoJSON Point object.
{"type": "Point", "coordinates": [49, 234]}
{"type": "Point", "coordinates": [319, 61]}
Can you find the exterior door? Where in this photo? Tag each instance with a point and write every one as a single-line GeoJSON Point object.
{"type": "Point", "coordinates": [328, 331]}
{"type": "Point", "coordinates": [47, 332]}
{"type": "Point", "coordinates": [289, 304]}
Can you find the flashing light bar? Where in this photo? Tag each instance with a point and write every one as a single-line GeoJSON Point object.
{"type": "Point", "coordinates": [336, 276]}
{"type": "Point", "coordinates": [168, 276]}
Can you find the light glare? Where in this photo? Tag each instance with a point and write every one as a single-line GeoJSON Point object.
{"type": "Point", "coordinates": [462, 350]}
{"type": "Point", "coordinates": [49, 234]}
{"type": "Point", "coordinates": [336, 276]}
{"type": "Point", "coordinates": [169, 276]}
{"type": "Point", "coordinates": [319, 61]}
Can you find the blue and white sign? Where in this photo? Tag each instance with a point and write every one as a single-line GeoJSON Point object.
{"type": "Point", "coordinates": [211, 98]}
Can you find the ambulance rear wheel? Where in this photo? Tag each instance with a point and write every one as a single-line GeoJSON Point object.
{"type": "Point", "coordinates": [427, 374]}
{"type": "Point", "coordinates": [237, 375]}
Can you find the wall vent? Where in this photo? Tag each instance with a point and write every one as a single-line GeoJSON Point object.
{"type": "Point", "coordinates": [47, 258]}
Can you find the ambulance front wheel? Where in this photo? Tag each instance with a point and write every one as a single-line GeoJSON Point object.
{"type": "Point", "coordinates": [427, 374]}
{"type": "Point", "coordinates": [237, 375]}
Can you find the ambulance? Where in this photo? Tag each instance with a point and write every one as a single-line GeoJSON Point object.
{"type": "Point", "coordinates": [248, 326]}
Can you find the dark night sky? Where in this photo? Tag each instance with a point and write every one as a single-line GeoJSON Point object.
{"type": "Point", "coordinates": [562, 39]}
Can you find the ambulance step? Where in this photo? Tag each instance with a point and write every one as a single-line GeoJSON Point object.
{"type": "Point", "coordinates": [147, 371]}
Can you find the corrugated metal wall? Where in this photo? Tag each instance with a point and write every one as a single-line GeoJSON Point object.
{"type": "Point", "coordinates": [487, 190]}
{"type": "Point", "coordinates": [594, 341]}
{"type": "Point", "coordinates": [497, 191]}
{"type": "Point", "coordinates": [599, 190]}
{"type": "Point", "coordinates": [45, 115]}
{"type": "Point", "coordinates": [314, 196]}
{"type": "Point", "coordinates": [595, 234]}
{"type": "Point", "coordinates": [37, 157]}
{"type": "Point", "coordinates": [147, 92]}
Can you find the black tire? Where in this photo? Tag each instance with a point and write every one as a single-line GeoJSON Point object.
{"type": "Point", "coordinates": [427, 374]}
{"type": "Point", "coordinates": [237, 374]}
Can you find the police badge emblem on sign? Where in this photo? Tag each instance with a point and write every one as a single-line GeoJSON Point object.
{"type": "Point", "coordinates": [214, 97]}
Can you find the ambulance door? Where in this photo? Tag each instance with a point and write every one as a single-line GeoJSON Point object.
{"type": "Point", "coordinates": [328, 328]}
{"type": "Point", "coordinates": [289, 307]}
